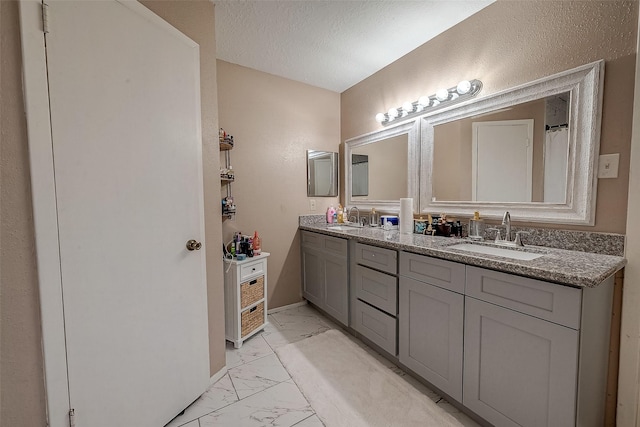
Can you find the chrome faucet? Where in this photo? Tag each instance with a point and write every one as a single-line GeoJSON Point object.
{"type": "Point", "coordinates": [350, 211]}
{"type": "Point", "coordinates": [506, 221]}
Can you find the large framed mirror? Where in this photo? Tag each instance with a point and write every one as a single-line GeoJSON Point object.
{"type": "Point", "coordinates": [382, 167]}
{"type": "Point", "coordinates": [322, 173]}
{"type": "Point", "coordinates": [532, 150]}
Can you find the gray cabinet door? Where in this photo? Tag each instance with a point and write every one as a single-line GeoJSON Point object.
{"type": "Point", "coordinates": [325, 274]}
{"type": "Point", "coordinates": [519, 370]}
{"type": "Point", "coordinates": [336, 284]}
{"type": "Point", "coordinates": [431, 321]}
{"type": "Point", "coordinates": [313, 276]}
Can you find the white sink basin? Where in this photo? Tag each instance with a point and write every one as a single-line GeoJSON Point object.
{"type": "Point", "coordinates": [490, 250]}
{"type": "Point", "coordinates": [343, 227]}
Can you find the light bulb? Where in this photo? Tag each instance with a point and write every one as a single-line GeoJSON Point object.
{"type": "Point", "coordinates": [463, 87]}
{"type": "Point", "coordinates": [393, 113]}
{"type": "Point", "coordinates": [408, 107]}
{"type": "Point", "coordinates": [442, 95]}
{"type": "Point", "coordinates": [424, 101]}
{"type": "Point", "coordinates": [380, 117]}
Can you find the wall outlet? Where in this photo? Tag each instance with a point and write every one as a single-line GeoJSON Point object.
{"type": "Point", "coordinates": [608, 165]}
{"type": "Point", "coordinates": [312, 205]}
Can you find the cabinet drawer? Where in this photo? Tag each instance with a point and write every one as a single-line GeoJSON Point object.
{"type": "Point", "coordinates": [329, 244]}
{"type": "Point", "coordinates": [378, 258]}
{"type": "Point", "coordinates": [548, 301]}
{"type": "Point", "coordinates": [252, 319]}
{"type": "Point", "coordinates": [335, 245]}
{"type": "Point", "coordinates": [312, 240]}
{"type": "Point", "coordinates": [377, 326]}
{"type": "Point", "coordinates": [251, 269]}
{"type": "Point", "coordinates": [438, 272]}
{"type": "Point", "coordinates": [251, 291]}
{"type": "Point", "coordinates": [378, 289]}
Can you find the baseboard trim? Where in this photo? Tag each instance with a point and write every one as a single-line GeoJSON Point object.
{"type": "Point", "coordinates": [215, 377]}
{"type": "Point", "coordinates": [286, 307]}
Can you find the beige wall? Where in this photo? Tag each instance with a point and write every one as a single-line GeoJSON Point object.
{"type": "Point", "coordinates": [22, 382]}
{"type": "Point", "coordinates": [514, 42]}
{"type": "Point", "coordinates": [21, 372]}
{"type": "Point", "coordinates": [273, 122]}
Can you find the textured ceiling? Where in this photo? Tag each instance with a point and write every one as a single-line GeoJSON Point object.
{"type": "Point", "coordinates": [332, 44]}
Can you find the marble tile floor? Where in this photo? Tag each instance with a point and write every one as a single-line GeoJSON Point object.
{"type": "Point", "coordinates": [258, 391]}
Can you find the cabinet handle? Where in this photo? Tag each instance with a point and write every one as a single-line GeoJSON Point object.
{"type": "Point", "coordinates": [253, 282]}
{"type": "Point", "coordinates": [251, 310]}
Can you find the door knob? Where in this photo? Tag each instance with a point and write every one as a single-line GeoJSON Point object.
{"type": "Point", "coordinates": [192, 245]}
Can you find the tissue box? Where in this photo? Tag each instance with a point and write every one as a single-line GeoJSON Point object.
{"type": "Point", "coordinates": [389, 218]}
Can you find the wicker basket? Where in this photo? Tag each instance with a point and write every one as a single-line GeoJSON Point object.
{"type": "Point", "coordinates": [252, 319]}
{"type": "Point", "coordinates": [251, 291]}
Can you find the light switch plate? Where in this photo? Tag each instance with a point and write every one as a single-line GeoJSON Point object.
{"type": "Point", "coordinates": [608, 165]}
{"type": "Point", "coordinates": [312, 205]}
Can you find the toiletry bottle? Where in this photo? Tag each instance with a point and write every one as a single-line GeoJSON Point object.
{"type": "Point", "coordinates": [340, 215]}
{"type": "Point", "coordinates": [373, 218]}
{"type": "Point", "coordinates": [330, 212]}
{"type": "Point", "coordinates": [475, 225]}
{"type": "Point", "coordinates": [250, 247]}
{"type": "Point", "coordinates": [256, 243]}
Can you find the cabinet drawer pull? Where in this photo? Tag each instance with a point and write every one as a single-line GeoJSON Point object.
{"type": "Point", "coordinates": [251, 310]}
{"type": "Point", "coordinates": [253, 282]}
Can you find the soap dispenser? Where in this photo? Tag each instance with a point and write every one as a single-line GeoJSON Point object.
{"type": "Point", "coordinates": [373, 218]}
{"type": "Point", "coordinates": [475, 227]}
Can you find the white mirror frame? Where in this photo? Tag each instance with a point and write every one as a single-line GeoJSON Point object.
{"type": "Point", "coordinates": [410, 128]}
{"type": "Point", "coordinates": [585, 84]}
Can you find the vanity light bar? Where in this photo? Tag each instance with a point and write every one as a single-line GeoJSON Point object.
{"type": "Point", "coordinates": [442, 98]}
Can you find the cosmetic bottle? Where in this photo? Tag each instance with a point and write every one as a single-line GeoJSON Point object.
{"type": "Point", "coordinates": [340, 215]}
{"type": "Point", "coordinates": [330, 213]}
{"type": "Point", "coordinates": [256, 243]}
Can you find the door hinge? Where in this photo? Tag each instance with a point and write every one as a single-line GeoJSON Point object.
{"type": "Point", "coordinates": [72, 417]}
{"type": "Point", "coordinates": [45, 18]}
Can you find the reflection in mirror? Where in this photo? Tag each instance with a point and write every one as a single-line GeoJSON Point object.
{"type": "Point", "coordinates": [322, 174]}
{"type": "Point", "coordinates": [360, 175]}
{"type": "Point", "coordinates": [382, 168]}
{"type": "Point", "coordinates": [526, 145]}
{"type": "Point", "coordinates": [383, 176]}
{"type": "Point", "coordinates": [531, 150]}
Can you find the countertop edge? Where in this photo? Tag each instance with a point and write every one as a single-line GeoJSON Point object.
{"type": "Point", "coordinates": [600, 266]}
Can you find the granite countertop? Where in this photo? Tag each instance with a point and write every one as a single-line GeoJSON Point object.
{"type": "Point", "coordinates": [572, 268]}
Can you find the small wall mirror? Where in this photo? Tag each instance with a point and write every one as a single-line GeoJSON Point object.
{"type": "Point", "coordinates": [531, 150]}
{"type": "Point", "coordinates": [382, 167]}
{"type": "Point", "coordinates": [322, 174]}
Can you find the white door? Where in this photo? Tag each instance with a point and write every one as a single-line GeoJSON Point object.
{"type": "Point", "coordinates": [125, 125]}
{"type": "Point", "coordinates": [502, 161]}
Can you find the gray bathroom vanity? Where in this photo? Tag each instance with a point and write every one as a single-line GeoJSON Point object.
{"type": "Point", "coordinates": [514, 342]}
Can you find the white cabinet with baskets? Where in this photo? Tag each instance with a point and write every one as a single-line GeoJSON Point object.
{"type": "Point", "coordinates": [245, 294]}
